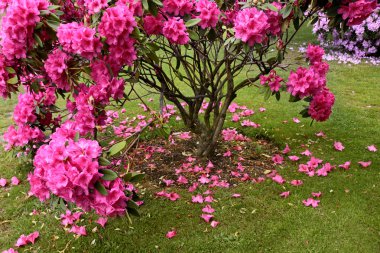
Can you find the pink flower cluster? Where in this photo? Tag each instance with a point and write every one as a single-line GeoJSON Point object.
{"type": "Point", "coordinates": [77, 39]}
{"type": "Point", "coordinates": [56, 66]}
{"type": "Point", "coordinates": [251, 26]}
{"type": "Point", "coordinates": [135, 6]}
{"type": "Point", "coordinates": [21, 136]}
{"type": "Point", "coordinates": [274, 19]}
{"type": "Point", "coordinates": [69, 169]}
{"type": "Point", "coordinates": [18, 26]}
{"type": "Point", "coordinates": [321, 106]}
{"type": "Point", "coordinates": [94, 6]}
{"type": "Point", "coordinates": [273, 80]}
{"type": "Point", "coordinates": [153, 25]}
{"type": "Point", "coordinates": [208, 13]}
{"type": "Point", "coordinates": [116, 25]}
{"type": "Point", "coordinates": [178, 7]}
{"type": "Point", "coordinates": [25, 110]}
{"type": "Point", "coordinates": [314, 53]}
{"type": "Point", "coordinates": [175, 31]}
{"type": "Point", "coordinates": [356, 11]}
{"type": "Point", "coordinates": [4, 76]}
{"type": "Point", "coordinates": [311, 81]}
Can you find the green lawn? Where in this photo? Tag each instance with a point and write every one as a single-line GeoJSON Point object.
{"type": "Point", "coordinates": [347, 219]}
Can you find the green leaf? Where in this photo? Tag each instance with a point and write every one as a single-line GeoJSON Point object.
{"type": "Point", "coordinates": [158, 3]}
{"type": "Point", "coordinates": [100, 188]}
{"type": "Point", "coordinates": [193, 22]}
{"type": "Point", "coordinates": [13, 80]}
{"type": "Point", "coordinates": [133, 212]}
{"type": "Point", "coordinates": [103, 161]}
{"type": "Point", "coordinates": [293, 99]}
{"type": "Point", "coordinates": [38, 40]}
{"type": "Point", "coordinates": [77, 136]}
{"type": "Point", "coordinates": [193, 35]}
{"type": "Point", "coordinates": [54, 7]}
{"type": "Point", "coordinates": [286, 11]}
{"type": "Point", "coordinates": [53, 24]}
{"type": "Point", "coordinates": [108, 175]}
{"type": "Point", "coordinates": [132, 205]}
{"type": "Point", "coordinates": [145, 5]}
{"type": "Point", "coordinates": [10, 70]}
{"type": "Point", "coordinates": [137, 177]}
{"type": "Point", "coordinates": [117, 148]}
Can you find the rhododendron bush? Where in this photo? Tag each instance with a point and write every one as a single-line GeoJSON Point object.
{"type": "Point", "coordinates": [89, 53]}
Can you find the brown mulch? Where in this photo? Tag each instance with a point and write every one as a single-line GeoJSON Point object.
{"type": "Point", "coordinates": [257, 161]}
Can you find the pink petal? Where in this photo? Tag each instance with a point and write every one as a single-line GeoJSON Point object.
{"type": "Point", "coordinates": [3, 182]}
{"type": "Point", "coordinates": [346, 165]}
{"type": "Point", "coordinates": [321, 134]}
{"type": "Point", "coordinates": [15, 181]}
{"type": "Point", "coordinates": [294, 158]}
{"type": "Point", "coordinates": [338, 146]}
{"type": "Point", "coordinates": [285, 194]}
{"type": "Point", "coordinates": [171, 234]}
{"type": "Point", "coordinates": [296, 182]}
{"type": "Point", "coordinates": [207, 217]}
{"type": "Point", "coordinates": [236, 195]}
{"type": "Point", "coordinates": [296, 120]}
{"type": "Point", "coordinates": [316, 194]}
{"type": "Point", "coordinates": [286, 149]}
{"type": "Point", "coordinates": [102, 221]}
{"type": "Point", "coordinates": [79, 230]}
{"type": "Point", "coordinates": [208, 209]}
{"type": "Point", "coordinates": [372, 148]}
{"type": "Point", "coordinates": [214, 223]}
{"type": "Point", "coordinates": [365, 164]}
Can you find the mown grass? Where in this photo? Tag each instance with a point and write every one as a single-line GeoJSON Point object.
{"type": "Point", "coordinates": [347, 219]}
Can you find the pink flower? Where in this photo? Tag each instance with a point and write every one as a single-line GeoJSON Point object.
{"type": "Point", "coordinates": [321, 134]}
{"type": "Point", "coordinates": [24, 240]}
{"type": "Point", "coordinates": [171, 234]}
{"type": "Point", "coordinates": [296, 182]}
{"type": "Point", "coordinates": [94, 6]}
{"type": "Point", "coordinates": [15, 181]}
{"type": "Point", "coordinates": [306, 153]}
{"type": "Point", "coordinates": [185, 136]}
{"type": "Point", "coordinates": [56, 66]}
{"type": "Point", "coordinates": [345, 166]}
{"type": "Point", "coordinates": [209, 199]}
{"type": "Point", "coordinates": [208, 209]}
{"type": "Point", "coordinates": [316, 194]}
{"type": "Point", "coordinates": [305, 82]}
{"type": "Point", "coordinates": [102, 221]}
{"type": "Point", "coordinates": [175, 31]}
{"type": "Point", "coordinates": [153, 25]}
{"type": "Point", "coordinates": [294, 158]}
{"type": "Point", "coordinates": [286, 149]}
{"type": "Point", "coordinates": [178, 7]}
{"type": "Point", "coordinates": [285, 194]}
{"type": "Point", "coordinates": [236, 195]}
{"type": "Point", "coordinates": [314, 53]}
{"type": "Point", "coordinates": [278, 179]}
{"type": "Point", "coordinates": [214, 223]}
{"type": "Point", "coordinates": [197, 199]}
{"type": "Point", "coordinates": [3, 182]}
{"type": "Point", "coordinates": [235, 117]}
{"type": "Point", "coordinates": [207, 217]}
{"type": "Point", "coordinates": [203, 179]}
{"type": "Point", "coordinates": [173, 196]}
{"type": "Point", "coordinates": [79, 230]}
{"type": "Point", "coordinates": [69, 218]}
{"type": "Point", "coordinates": [338, 146]}
{"type": "Point", "coordinates": [262, 109]}
{"type": "Point", "coordinates": [356, 11]}
{"type": "Point", "coordinates": [320, 107]}
{"type": "Point", "coordinates": [273, 80]}
{"type": "Point", "coordinates": [372, 148]}
{"type": "Point", "coordinates": [311, 202]}
{"type": "Point", "coordinates": [326, 168]}
{"type": "Point", "coordinates": [11, 250]}
{"type": "Point", "coordinates": [208, 13]}
{"type": "Point", "coordinates": [182, 180]}
{"type": "Point", "coordinates": [168, 182]}
{"type": "Point", "coordinates": [365, 164]}
{"type": "Point", "coordinates": [277, 159]}
{"type": "Point", "coordinates": [251, 25]}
